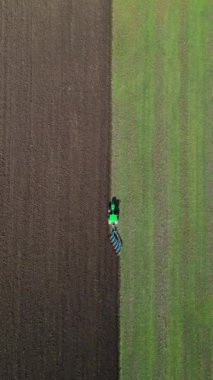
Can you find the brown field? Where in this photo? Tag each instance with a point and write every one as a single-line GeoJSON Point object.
{"type": "Point", "coordinates": [58, 275]}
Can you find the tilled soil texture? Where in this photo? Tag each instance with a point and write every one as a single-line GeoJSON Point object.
{"type": "Point", "coordinates": [58, 274]}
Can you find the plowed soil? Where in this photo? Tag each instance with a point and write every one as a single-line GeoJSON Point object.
{"type": "Point", "coordinates": [58, 274]}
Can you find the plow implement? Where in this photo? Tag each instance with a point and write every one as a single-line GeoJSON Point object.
{"type": "Point", "coordinates": [115, 240]}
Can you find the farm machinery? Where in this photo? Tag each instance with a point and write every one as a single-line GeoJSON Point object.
{"type": "Point", "coordinates": [113, 217]}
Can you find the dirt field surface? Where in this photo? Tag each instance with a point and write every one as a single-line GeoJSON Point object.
{"type": "Point", "coordinates": [58, 274]}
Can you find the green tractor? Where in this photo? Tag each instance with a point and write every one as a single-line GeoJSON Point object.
{"type": "Point", "coordinates": [113, 211]}
{"type": "Point", "coordinates": [113, 216]}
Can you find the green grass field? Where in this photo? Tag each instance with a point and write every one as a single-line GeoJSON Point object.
{"type": "Point", "coordinates": [161, 162]}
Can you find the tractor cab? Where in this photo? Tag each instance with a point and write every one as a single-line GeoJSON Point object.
{"type": "Point", "coordinates": [112, 219]}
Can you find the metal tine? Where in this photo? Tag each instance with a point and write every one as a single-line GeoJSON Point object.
{"type": "Point", "coordinates": [116, 245]}
{"type": "Point", "coordinates": [116, 242]}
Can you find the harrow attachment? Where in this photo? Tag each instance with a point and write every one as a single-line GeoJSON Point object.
{"type": "Point", "coordinates": [115, 240]}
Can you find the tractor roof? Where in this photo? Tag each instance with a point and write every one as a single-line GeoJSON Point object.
{"type": "Point", "coordinates": [113, 218]}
